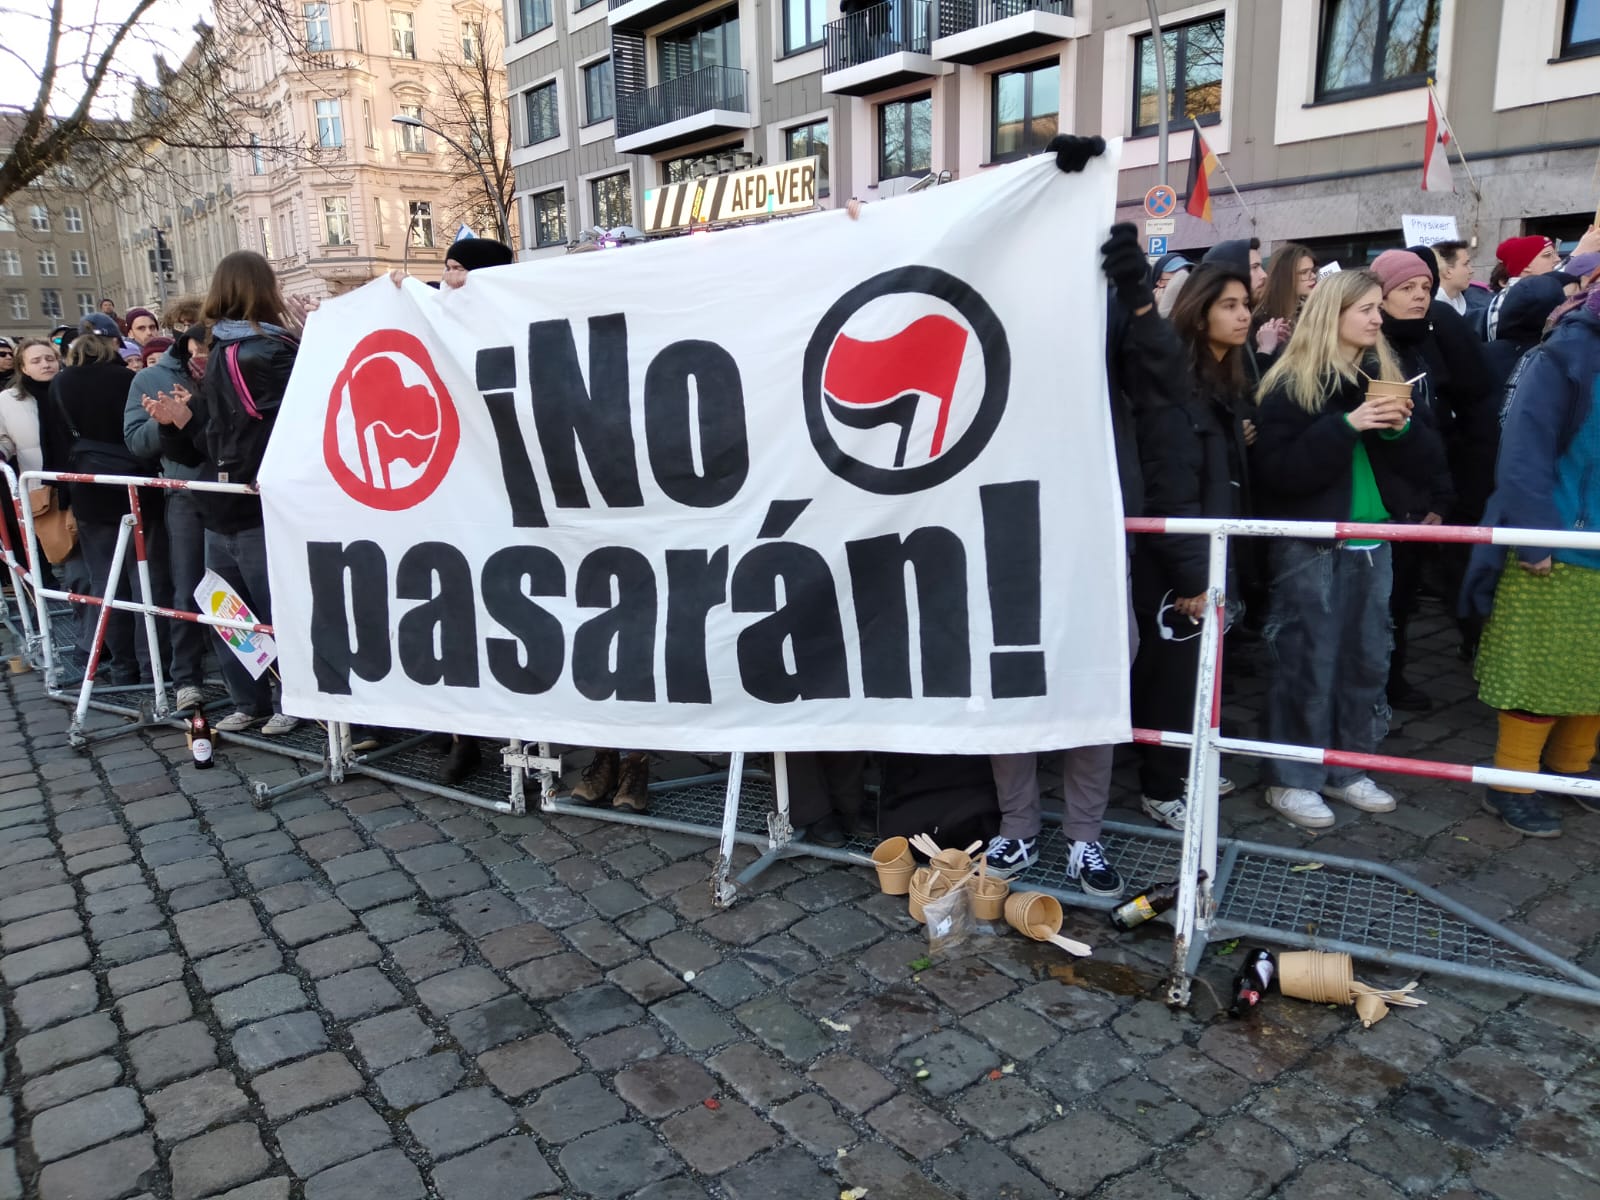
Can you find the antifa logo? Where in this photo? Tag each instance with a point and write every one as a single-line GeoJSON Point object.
{"type": "Point", "coordinates": [392, 428]}
{"type": "Point", "coordinates": [905, 380]}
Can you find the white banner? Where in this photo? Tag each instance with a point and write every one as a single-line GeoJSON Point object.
{"type": "Point", "coordinates": [819, 485]}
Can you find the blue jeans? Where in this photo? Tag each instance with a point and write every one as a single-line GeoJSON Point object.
{"type": "Point", "coordinates": [1329, 633]}
{"type": "Point", "coordinates": [186, 551]}
{"type": "Point", "coordinates": [241, 559]}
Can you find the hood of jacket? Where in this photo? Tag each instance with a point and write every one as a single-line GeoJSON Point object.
{"type": "Point", "coordinates": [233, 331]}
{"type": "Point", "coordinates": [1528, 303]}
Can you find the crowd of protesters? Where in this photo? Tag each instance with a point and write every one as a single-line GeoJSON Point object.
{"type": "Point", "coordinates": [1400, 392]}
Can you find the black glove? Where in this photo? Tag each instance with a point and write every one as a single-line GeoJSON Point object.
{"type": "Point", "coordinates": [1127, 268]}
{"type": "Point", "coordinates": [1073, 153]}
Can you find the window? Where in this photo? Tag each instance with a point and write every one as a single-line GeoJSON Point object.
{"type": "Point", "coordinates": [258, 160]}
{"type": "Point", "coordinates": [19, 306]}
{"type": "Point", "coordinates": [336, 220]}
{"type": "Point", "coordinates": [411, 135]}
{"type": "Point", "coordinates": [10, 262]}
{"type": "Point", "coordinates": [599, 98]}
{"type": "Point", "coordinates": [1375, 46]}
{"type": "Point", "coordinates": [85, 303]}
{"type": "Point", "coordinates": [1194, 75]}
{"type": "Point", "coordinates": [264, 232]}
{"type": "Point", "coordinates": [1581, 33]}
{"type": "Point", "coordinates": [905, 137]}
{"type": "Point", "coordinates": [285, 234]}
{"type": "Point", "coordinates": [361, 37]}
{"type": "Point", "coordinates": [532, 16]}
{"type": "Point", "coordinates": [1026, 107]}
{"type": "Point", "coordinates": [7, 223]}
{"type": "Point", "coordinates": [50, 303]}
{"type": "Point", "coordinates": [47, 263]}
{"type": "Point", "coordinates": [802, 24]}
{"type": "Point", "coordinates": [403, 34]}
{"type": "Point", "coordinates": [377, 220]}
{"type": "Point", "coordinates": [39, 218]}
{"type": "Point", "coordinates": [319, 30]}
{"type": "Point", "coordinates": [366, 121]}
{"type": "Point", "coordinates": [471, 42]}
{"type": "Point", "coordinates": [80, 263]}
{"type": "Point", "coordinates": [330, 124]}
{"type": "Point", "coordinates": [544, 122]}
{"type": "Point", "coordinates": [583, 4]}
{"type": "Point", "coordinates": [478, 131]}
{"type": "Point", "coordinates": [805, 140]}
{"type": "Point", "coordinates": [74, 219]}
{"type": "Point", "coordinates": [611, 197]}
{"type": "Point", "coordinates": [550, 218]}
{"type": "Point", "coordinates": [710, 42]}
{"type": "Point", "coordinates": [420, 222]}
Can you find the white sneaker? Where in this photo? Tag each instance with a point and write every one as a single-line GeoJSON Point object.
{"type": "Point", "coordinates": [1362, 794]}
{"type": "Point", "coordinates": [189, 698]}
{"type": "Point", "coordinates": [1171, 813]}
{"type": "Point", "coordinates": [235, 722]}
{"type": "Point", "coordinates": [1300, 806]}
{"type": "Point", "coordinates": [279, 724]}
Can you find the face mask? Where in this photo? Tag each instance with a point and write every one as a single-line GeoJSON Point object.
{"type": "Point", "coordinates": [197, 368]}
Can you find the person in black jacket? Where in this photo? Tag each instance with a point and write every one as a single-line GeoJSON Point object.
{"type": "Point", "coordinates": [80, 429]}
{"type": "Point", "coordinates": [1327, 449]}
{"type": "Point", "coordinates": [1212, 320]}
{"type": "Point", "coordinates": [225, 429]}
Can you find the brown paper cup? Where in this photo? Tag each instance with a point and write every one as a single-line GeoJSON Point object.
{"type": "Point", "coordinates": [952, 864]}
{"type": "Point", "coordinates": [989, 898]}
{"type": "Point", "coordinates": [894, 865]}
{"type": "Point", "coordinates": [1382, 389]}
{"type": "Point", "coordinates": [1371, 1009]}
{"type": "Point", "coordinates": [1034, 914]}
{"type": "Point", "coordinates": [1315, 975]}
{"type": "Point", "coordinates": [925, 884]}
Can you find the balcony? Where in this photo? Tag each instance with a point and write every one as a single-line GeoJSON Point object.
{"type": "Point", "coordinates": [879, 47]}
{"type": "Point", "coordinates": [975, 31]}
{"type": "Point", "coordinates": [700, 104]}
{"type": "Point", "coordinates": [641, 14]}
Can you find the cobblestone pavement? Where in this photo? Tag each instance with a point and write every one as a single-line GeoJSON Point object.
{"type": "Point", "coordinates": [372, 993]}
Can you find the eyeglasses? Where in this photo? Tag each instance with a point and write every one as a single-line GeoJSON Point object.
{"type": "Point", "coordinates": [1307, 273]}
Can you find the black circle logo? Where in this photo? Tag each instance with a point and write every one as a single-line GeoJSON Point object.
{"type": "Point", "coordinates": [905, 380]}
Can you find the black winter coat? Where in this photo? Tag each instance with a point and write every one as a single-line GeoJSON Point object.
{"type": "Point", "coordinates": [1301, 462]}
{"type": "Point", "coordinates": [90, 400]}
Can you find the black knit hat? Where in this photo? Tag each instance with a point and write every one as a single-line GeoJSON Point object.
{"type": "Point", "coordinates": [475, 252]}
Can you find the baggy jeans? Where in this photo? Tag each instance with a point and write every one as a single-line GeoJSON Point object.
{"type": "Point", "coordinates": [186, 553]}
{"type": "Point", "coordinates": [1329, 635]}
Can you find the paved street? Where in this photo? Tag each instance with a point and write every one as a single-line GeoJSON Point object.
{"type": "Point", "coordinates": [372, 993]}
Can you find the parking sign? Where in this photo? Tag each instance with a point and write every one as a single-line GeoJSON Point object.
{"type": "Point", "coordinates": [1158, 245]}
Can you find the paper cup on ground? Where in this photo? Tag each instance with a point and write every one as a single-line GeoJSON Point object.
{"type": "Point", "coordinates": [1371, 1009]}
{"type": "Point", "coordinates": [925, 884]}
{"type": "Point", "coordinates": [1034, 914]}
{"type": "Point", "coordinates": [952, 864]}
{"type": "Point", "coordinates": [1315, 975]}
{"type": "Point", "coordinates": [894, 864]}
{"type": "Point", "coordinates": [989, 898]}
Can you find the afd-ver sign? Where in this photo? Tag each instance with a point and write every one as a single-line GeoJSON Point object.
{"type": "Point", "coordinates": [788, 187]}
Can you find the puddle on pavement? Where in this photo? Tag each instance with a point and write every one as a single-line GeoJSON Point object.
{"type": "Point", "coordinates": [1116, 978]}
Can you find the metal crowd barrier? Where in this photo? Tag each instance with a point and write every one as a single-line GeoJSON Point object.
{"type": "Point", "coordinates": [1251, 890]}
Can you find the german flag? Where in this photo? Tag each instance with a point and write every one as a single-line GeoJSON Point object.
{"type": "Point", "coordinates": [1202, 162]}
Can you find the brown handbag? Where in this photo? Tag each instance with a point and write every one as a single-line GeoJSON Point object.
{"type": "Point", "coordinates": [54, 526]}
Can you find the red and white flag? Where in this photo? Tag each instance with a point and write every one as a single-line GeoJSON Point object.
{"type": "Point", "coordinates": [1436, 155]}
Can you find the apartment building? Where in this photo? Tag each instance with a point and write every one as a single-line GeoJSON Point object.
{"type": "Point", "coordinates": [339, 191]}
{"type": "Point", "coordinates": [1316, 108]}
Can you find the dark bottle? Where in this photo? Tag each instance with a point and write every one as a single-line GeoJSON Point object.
{"type": "Point", "coordinates": [1148, 906]}
{"type": "Point", "coordinates": [200, 745]}
{"type": "Point", "coordinates": [1254, 980]}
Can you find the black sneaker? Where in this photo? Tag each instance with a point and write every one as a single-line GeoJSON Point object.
{"type": "Point", "coordinates": [826, 831]}
{"type": "Point", "coordinates": [1087, 864]}
{"type": "Point", "coordinates": [1008, 856]}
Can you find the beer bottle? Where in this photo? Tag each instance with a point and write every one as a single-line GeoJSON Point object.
{"type": "Point", "coordinates": [200, 746]}
{"type": "Point", "coordinates": [1254, 980]}
{"type": "Point", "coordinates": [1147, 906]}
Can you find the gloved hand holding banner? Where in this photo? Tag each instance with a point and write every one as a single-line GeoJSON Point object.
{"type": "Point", "coordinates": [818, 485]}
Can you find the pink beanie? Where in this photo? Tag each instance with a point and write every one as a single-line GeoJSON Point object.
{"type": "Point", "coordinates": [1394, 267]}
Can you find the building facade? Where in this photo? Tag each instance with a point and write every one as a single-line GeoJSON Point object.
{"type": "Point", "coordinates": [338, 191]}
{"type": "Point", "coordinates": [1316, 108]}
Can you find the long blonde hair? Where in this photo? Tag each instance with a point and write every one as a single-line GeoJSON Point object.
{"type": "Point", "coordinates": [1313, 364]}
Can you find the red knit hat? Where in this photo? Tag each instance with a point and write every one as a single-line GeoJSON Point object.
{"type": "Point", "coordinates": [1395, 267]}
{"type": "Point", "coordinates": [1516, 253]}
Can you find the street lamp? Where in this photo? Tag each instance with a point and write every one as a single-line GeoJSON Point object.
{"type": "Point", "coordinates": [500, 208]}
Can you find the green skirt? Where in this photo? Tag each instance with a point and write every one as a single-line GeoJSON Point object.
{"type": "Point", "coordinates": [1541, 649]}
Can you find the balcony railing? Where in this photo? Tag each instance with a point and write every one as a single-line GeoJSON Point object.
{"type": "Point", "coordinates": [893, 27]}
{"type": "Point", "coordinates": [697, 92]}
{"type": "Point", "coordinates": [958, 16]}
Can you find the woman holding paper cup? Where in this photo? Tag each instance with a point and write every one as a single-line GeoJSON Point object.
{"type": "Point", "coordinates": [1334, 442]}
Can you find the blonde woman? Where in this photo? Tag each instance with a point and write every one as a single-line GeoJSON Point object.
{"type": "Point", "coordinates": [1327, 451]}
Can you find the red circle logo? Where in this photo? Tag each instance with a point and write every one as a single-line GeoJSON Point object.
{"type": "Point", "coordinates": [392, 429]}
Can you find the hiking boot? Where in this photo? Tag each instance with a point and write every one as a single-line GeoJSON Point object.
{"type": "Point", "coordinates": [463, 760]}
{"type": "Point", "coordinates": [1087, 864]}
{"type": "Point", "coordinates": [633, 784]}
{"type": "Point", "coordinates": [826, 831]}
{"type": "Point", "coordinates": [1362, 794]}
{"type": "Point", "coordinates": [599, 779]}
{"type": "Point", "coordinates": [1009, 856]}
{"type": "Point", "coordinates": [236, 722]}
{"type": "Point", "coordinates": [189, 698]}
{"type": "Point", "coordinates": [1300, 806]}
{"type": "Point", "coordinates": [1587, 803]}
{"type": "Point", "coordinates": [279, 724]}
{"type": "Point", "coordinates": [1523, 812]}
{"type": "Point", "coordinates": [1171, 813]}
